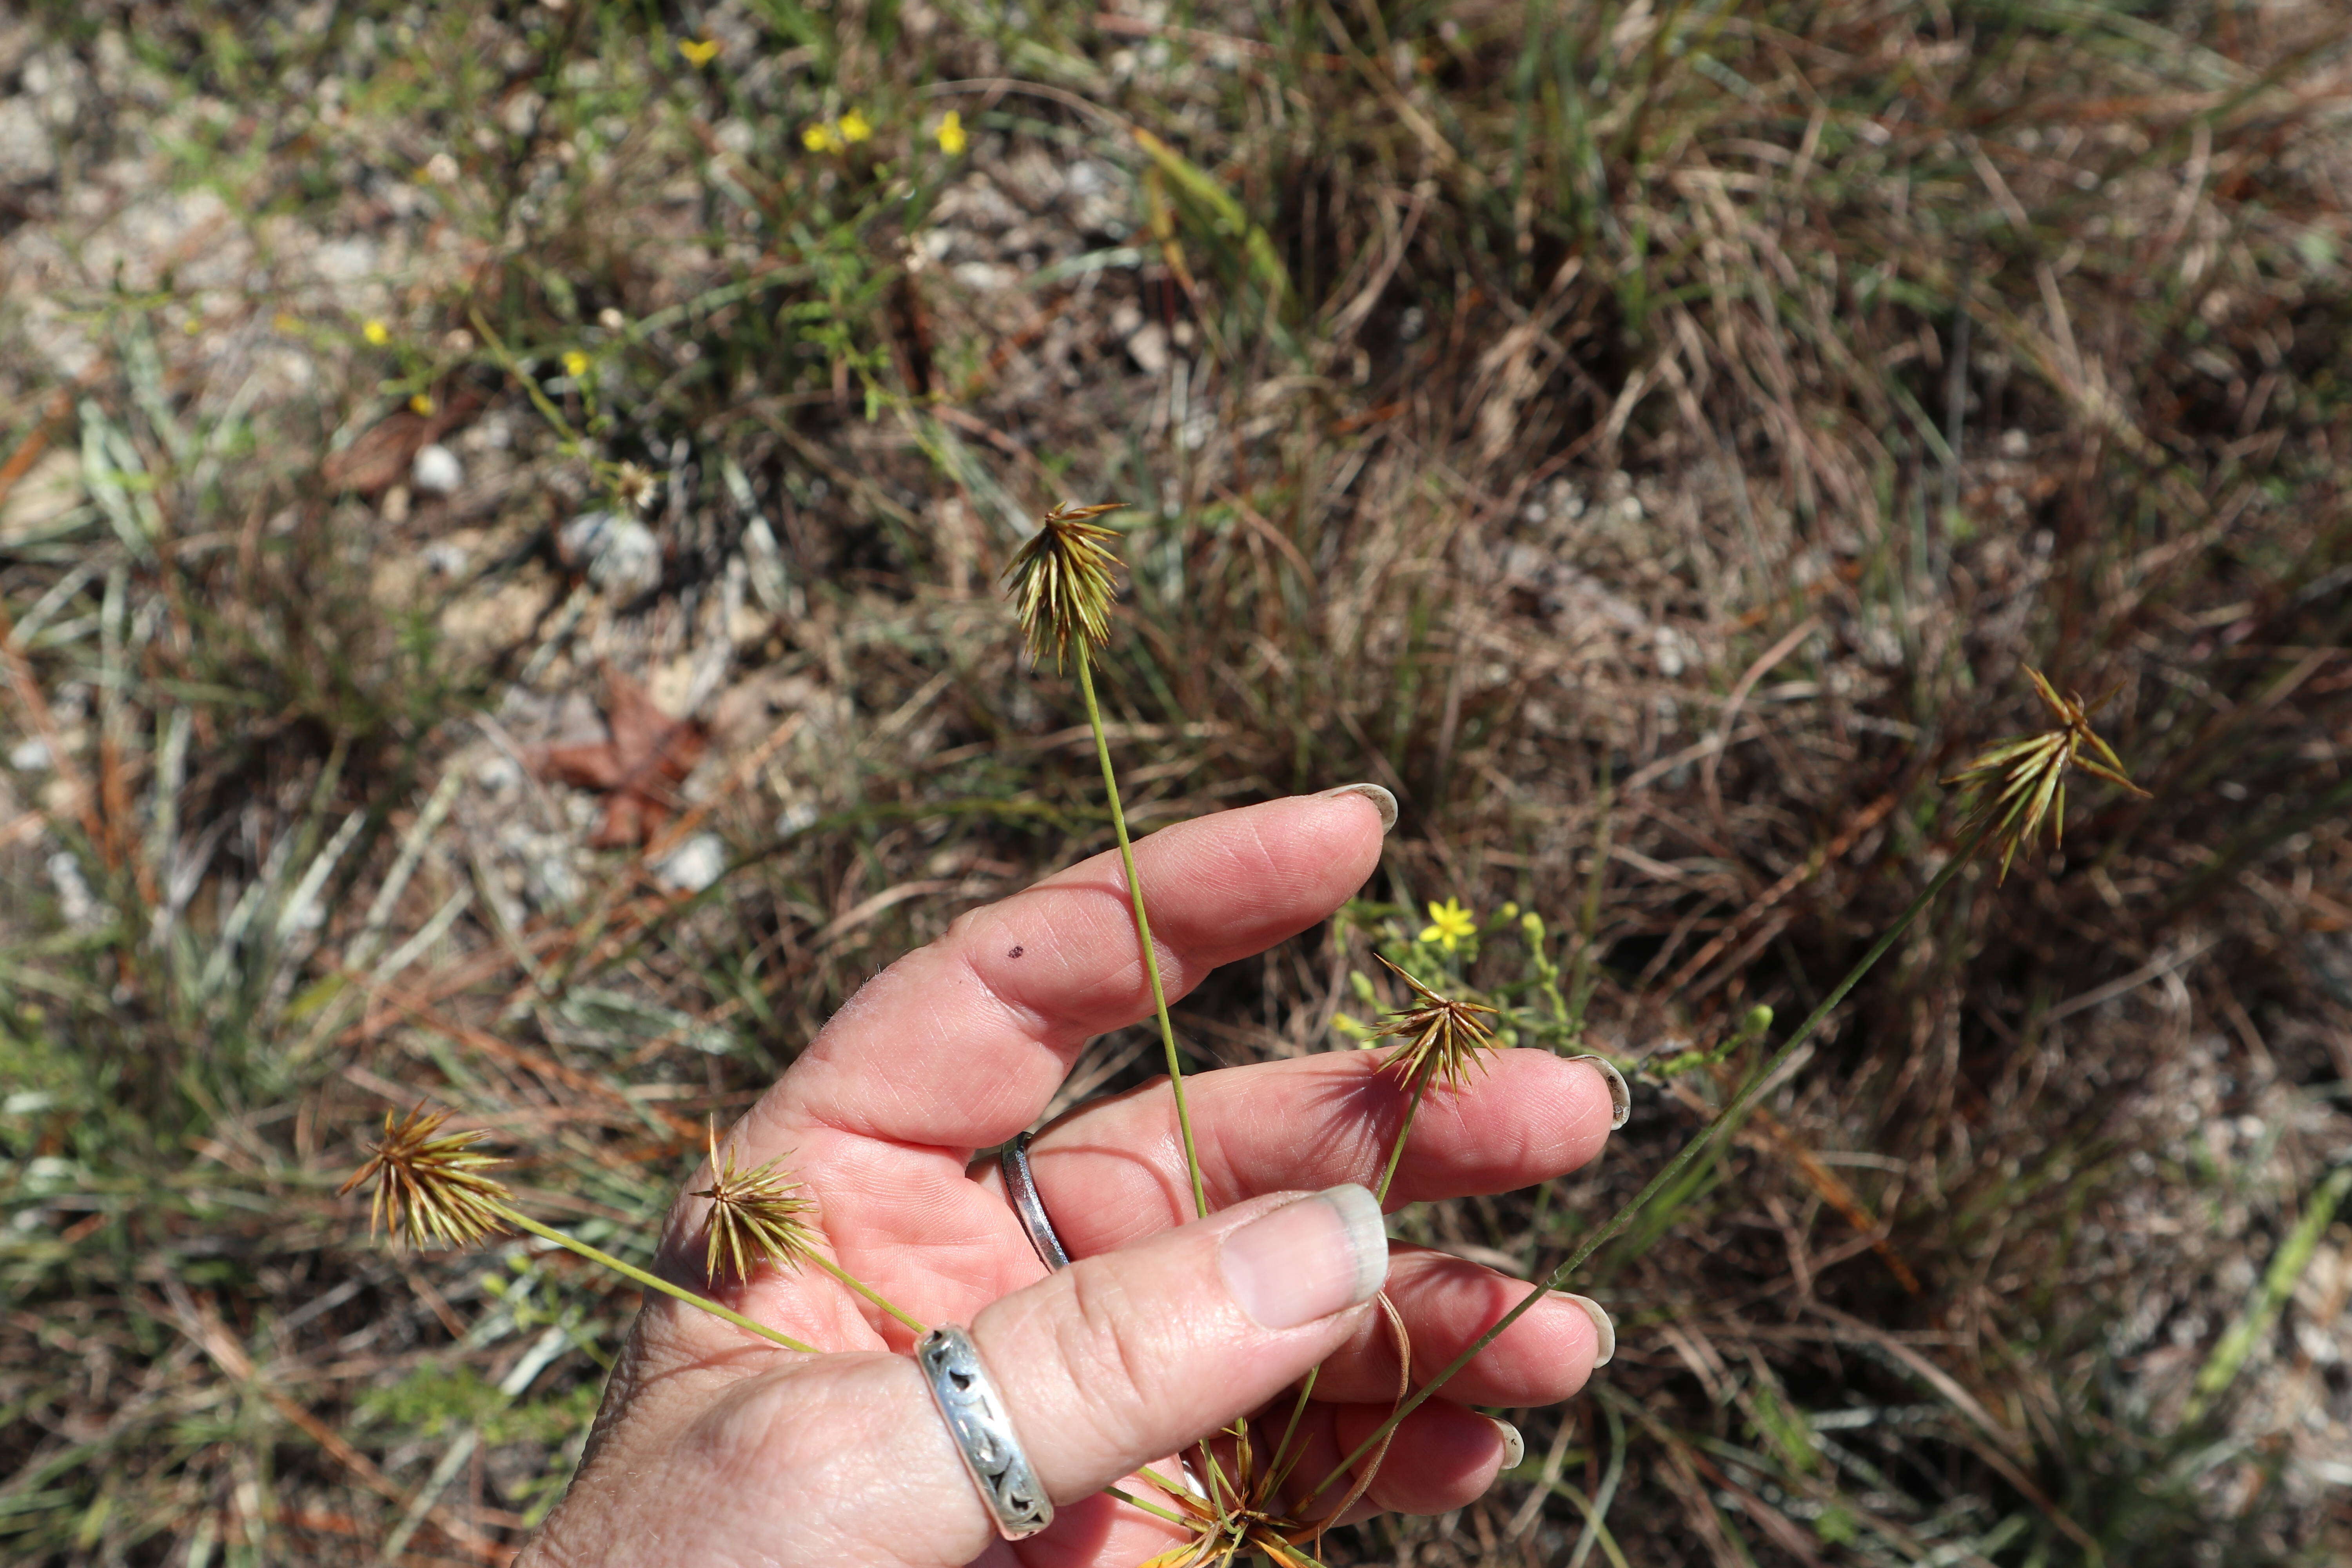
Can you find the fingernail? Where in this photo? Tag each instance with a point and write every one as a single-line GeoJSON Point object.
{"type": "Point", "coordinates": [1515, 1448]}
{"type": "Point", "coordinates": [1604, 1332]}
{"type": "Point", "coordinates": [1308, 1260]}
{"type": "Point", "coordinates": [1382, 801]}
{"type": "Point", "coordinates": [1621, 1098]}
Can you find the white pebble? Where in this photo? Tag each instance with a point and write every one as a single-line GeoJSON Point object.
{"type": "Point", "coordinates": [693, 864]}
{"type": "Point", "coordinates": [436, 471]}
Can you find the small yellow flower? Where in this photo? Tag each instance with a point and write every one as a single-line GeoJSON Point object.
{"type": "Point", "coordinates": [950, 135]}
{"type": "Point", "coordinates": [856, 127]}
{"type": "Point", "coordinates": [575, 363]}
{"type": "Point", "coordinates": [698, 51]}
{"type": "Point", "coordinates": [422, 403]}
{"type": "Point", "coordinates": [822, 137]}
{"type": "Point", "coordinates": [287, 322]}
{"type": "Point", "coordinates": [1449, 925]}
{"type": "Point", "coordinates": [376, 332]}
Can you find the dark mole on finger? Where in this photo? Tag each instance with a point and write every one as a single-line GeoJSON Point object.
{"type": "Point", "coordinates": [1016, 952]}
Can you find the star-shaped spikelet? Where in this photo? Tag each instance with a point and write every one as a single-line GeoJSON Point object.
{"type": "Point", "coordinates": [754, 1216]}
{"type": "Point", "coordinates": [2022, 781]}
{"type": "Point", "coordinates": [1238, 1516]}
{"type": "Point", "coordinates": [429, 1185]}
{"type": "Point", "coordinates": [1061, 581]}
{"type": "Point", "coordinates": [1439, 1037]}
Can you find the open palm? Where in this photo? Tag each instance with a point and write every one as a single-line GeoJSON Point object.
{"type": "Point", "coordinates": [717, 1447]}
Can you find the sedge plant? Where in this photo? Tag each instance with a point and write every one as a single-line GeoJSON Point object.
{"type": "Point", "coordinates": [431, 1187]}
{"type": "Point", "coordinates": [1061, 581]}
{"type": "Point", "coordinates": [2019, 783]}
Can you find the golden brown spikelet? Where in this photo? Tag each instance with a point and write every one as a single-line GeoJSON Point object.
{"type": "Point", "coordinates": [1062, 584]}
{"type": "Point", "coordinates": [1439, 1036]}
{"type": "Point", "coordinates": [429, 1185]}
{"type": "Point", "coordinates": [2022, 781]}
{"type": "Point", "coordinates": [755, 1216]}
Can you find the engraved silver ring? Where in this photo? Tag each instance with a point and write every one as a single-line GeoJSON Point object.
{"type": "Point", "coordinates": [982, 1429]}
{"type": "Point", "coordinates": [1021, 1191]}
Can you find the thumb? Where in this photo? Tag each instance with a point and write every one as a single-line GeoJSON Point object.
{"type": "Point", "coordinates": [1124, 1358]}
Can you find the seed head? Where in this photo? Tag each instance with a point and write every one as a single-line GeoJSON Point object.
{"type": "Point", "coordinates": [1238, 1517]}
{"type": "Point", "coordinates": [1440, 1037]}
{"type": "Point", "coordinates": [754, 1216]}
{"type": "Point", "coordinates": [2021, 781]}
{"type": "Point", "coordinates": [1061, 579]}
{"type": "Point", "coordinates": [428, 1186]}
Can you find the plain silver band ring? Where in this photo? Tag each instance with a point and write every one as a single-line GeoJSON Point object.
{"type": "Point", "coordinates": [983, 1433]}
{"type": "Point", "coordinates": [1021, 1191]}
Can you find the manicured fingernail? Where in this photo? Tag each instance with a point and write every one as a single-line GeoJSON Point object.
{"type": "Point", "coordinates": [1515, 1448]}
{"type": "Point", "coordinates": [1621, 1098]}
{"type": "Point", "coordinates": [1308, 1260]}
{"type": "Point", "coordinates": [1604, 1332]}
{"type": "Point", "coordinates": [1382, 801]}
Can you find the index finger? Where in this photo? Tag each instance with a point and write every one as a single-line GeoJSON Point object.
{"type": "Point", "coordinates": [961, 1045]}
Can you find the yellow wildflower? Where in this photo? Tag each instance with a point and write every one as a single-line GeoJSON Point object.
{"type": "Point", "coordinates": [950, 135]}
{"type": "Point", "coordinates": [575, 363]}
{"type": "Point", "coordinates": [422, 402]}
{"type": "Point", "coordinates": [698, 51]}
{"type": "Point", "coordinates": [856, 127]}
{"type": "Point", "coordinates": [1450, 923]}
{"type": "Point", "coordinates": [822, 137]}
{"type": "Point", "coordinates": [376, 332]}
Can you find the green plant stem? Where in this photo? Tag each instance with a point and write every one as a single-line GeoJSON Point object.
{"type": "Point", "coordinates": [1412, 1109]}
{"type": "Point", "coordinates": [1278, 1469]}
{"type": "Point", "coordinates": [631, 1271]}
{"type": "Point", "coordinates": [1143, 932]}
{"type": "Point", "coordinates": [838, 1272]}
{"type": "Point", "coordinates": [1150, 1508]}
{"type": "Point", "coordinates": [2287, 1265]}
{"type": "Point", "coordinates": [1712, 1133]}
{"type": "Point", "coordinates": [1580, 978]}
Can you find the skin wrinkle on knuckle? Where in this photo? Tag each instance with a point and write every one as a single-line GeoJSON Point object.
{"type": "Point", "coordinates": [1120, 1371]}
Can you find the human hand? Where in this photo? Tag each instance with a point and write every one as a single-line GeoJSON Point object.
{"type": "Point", "coordinates": [717, 1447]}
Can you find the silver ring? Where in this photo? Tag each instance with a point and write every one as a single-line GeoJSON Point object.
{"type": "Point", "coordinates": [983, 1433]}
{"type": "Point", "coordinates": [1021, 1191]}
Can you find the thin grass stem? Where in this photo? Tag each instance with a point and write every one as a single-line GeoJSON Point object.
{"type": "Point", "coordinates": [1412, 1109]}
{"type": "Point", "coordinates": [1581, 979]}
{"type": "Point", "coordinates": [631, 1271]}
{"type": "Point", "coordinates": [1143, 932]}
{"type": "Point", "coordinates": [1706, 1138]}
{"type": "Point", "coordinates": [846, 1277]}
{"type": "Point", "coordinates": [1150, 1508]}
{"type": "Point", "coordinates": [1278, 1469]}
